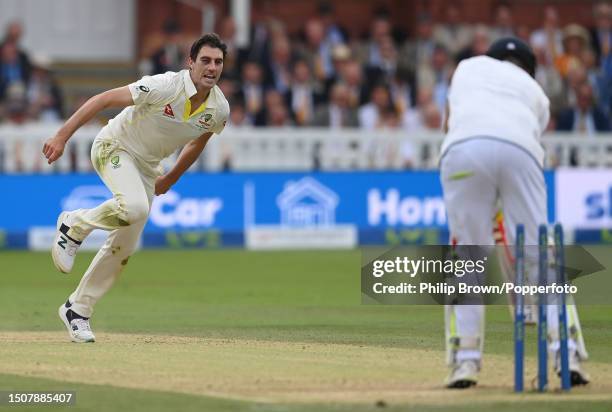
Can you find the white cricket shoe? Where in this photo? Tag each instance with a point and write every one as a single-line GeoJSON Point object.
{"type": "Point", "coordinates": [578, 376]}
{"type": "Point", "coordinates": [64, 247]}
{"type": "Point", "coordinates": [463, 375]}
{"type": "Point", "coordinates": [78, 327]}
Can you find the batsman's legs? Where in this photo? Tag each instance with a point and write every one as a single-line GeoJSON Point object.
{"type": "Point", "coordinates": [470, 197]}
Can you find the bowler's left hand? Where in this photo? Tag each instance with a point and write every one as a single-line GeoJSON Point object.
{"type": "Point", "coordinates": [163, 184]}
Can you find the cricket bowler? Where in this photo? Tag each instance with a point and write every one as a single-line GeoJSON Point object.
{"type": "Point", "coordinates": [161, 114]}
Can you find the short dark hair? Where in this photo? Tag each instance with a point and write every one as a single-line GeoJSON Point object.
{"type": "Point", "coordinates": [209, 39]}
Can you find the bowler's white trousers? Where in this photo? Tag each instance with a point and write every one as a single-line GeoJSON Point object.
{"type": "Point", "coordinates": [475, 173]}
{"type": "Point", "coordinates": [124, 215]}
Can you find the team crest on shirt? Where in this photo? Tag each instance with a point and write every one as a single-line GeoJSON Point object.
{"type": "Point", "coordinates": [204, 120]}
{"type": "Point", "coordinates": [115, 162]}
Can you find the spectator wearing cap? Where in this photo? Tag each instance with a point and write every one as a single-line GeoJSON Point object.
{"type": "Point", "coordinates": [575, 41]}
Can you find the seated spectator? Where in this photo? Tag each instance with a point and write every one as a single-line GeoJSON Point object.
{"type": "Point", "coordinates": [13, 70]}
{"type": "Point", "coordinates": [334, 34]}
{"type": "Point", "coordinates": [418, 51]}
{"type": "Point", "coordinates": [575, 41]}
{"type": "Point", "coordinates": [279, 68]}
{"type": "Point", "coordinates": [372, 114]}
{"type": "Point", "coordinates": [380, 29]}
{"type": "Point", "coordinates": [549, 37]}
{"type": "Point", "coordinates": [338, 113]}
{"type": "Point", "coordinates": [227, 33]}
{"type": "Point", "coordinates": [387, 62]}
{"type": "Point", "coordinates": [302, 95]}
{"type": "Point", "coordinates": [238, 117]}
{"type": "Point", "coordinates": [431, 117]}
{"type": "Point", "coordinates": [272, 99]}
{"type": "Point", "coordinates": [43, 93]}
{"type": "Point", "coordinates": [13, 34]}
{"type": "Point", "coordinates": [575, 77]}
{"type": "Point", "coordinates": [252, 90]}
{"type": "Point", "coordinates": [503, 23]}
{"type": "Point", "coordinates": [352, 77]}
{"type": "Point", "coordinates": [550, 79]}
{"type": "Point", "coordinates": [453, 34]}
{"type": "Point", "coordinates": [316, 51]}
{"type": "Point", "coordinates": [585, 118]}
{"type": "Point", "coordinates": [478, 46]}
{"type": "Point", "coordinates": [172, 54]}
{"type": "Point", "coordinates": [14, 106]}
{"type": "Point", "coordinates": [278, 116]}
{"type": "Point", "coordinates": [436, 76]}
{"type": "Point", "coordinates": [229, 86]}
{"type": "Point", "coordinates": [403, 89]}
{"type": "Point", "coordinates": [601, 33]}
{"type": "Point", "coordinates": [341, 56]}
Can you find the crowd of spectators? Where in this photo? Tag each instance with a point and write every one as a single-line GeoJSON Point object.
{"type": "Point", "coordinates": [385, 79]}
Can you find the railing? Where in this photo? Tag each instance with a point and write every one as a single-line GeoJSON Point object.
{"type": "Point", "coordinates": [264, 149]}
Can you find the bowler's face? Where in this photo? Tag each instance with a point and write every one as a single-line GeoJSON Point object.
{"type": "Point", "coordinates": [207, 67]}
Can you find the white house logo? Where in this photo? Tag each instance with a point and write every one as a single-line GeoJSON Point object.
{"type": "Point", "coordinates": [85, 197]}
{"type": "Point", "coordinates": [307, 203]}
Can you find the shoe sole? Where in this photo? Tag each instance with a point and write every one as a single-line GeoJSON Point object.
{"type": "Point", "coordinates": [56, 260]}
{"type": "Point", "coordinates": [62, 314]}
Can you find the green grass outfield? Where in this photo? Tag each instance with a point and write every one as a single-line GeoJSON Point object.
{"type": "Point", "coordinates": [232, 330]}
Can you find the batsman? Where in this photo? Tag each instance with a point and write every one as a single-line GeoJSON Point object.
{"type": "Point", "coordinates": [492, 156]}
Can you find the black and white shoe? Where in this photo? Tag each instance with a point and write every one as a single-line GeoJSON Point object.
{"type": "Point", "coordinates": [77, 325]}
{"type": "Point", "coordinates": [64, 247]}
{"type": "Point", "coordinates": [578, 376]}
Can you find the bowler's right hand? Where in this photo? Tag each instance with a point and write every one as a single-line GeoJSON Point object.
{"type": "Point", "coordinates": [54, 148]}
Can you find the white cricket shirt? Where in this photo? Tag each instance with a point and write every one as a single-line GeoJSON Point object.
{"type": "Point", "coordinates": [160, 122]}
{"type": "Point", "coordinates": [494, 98]}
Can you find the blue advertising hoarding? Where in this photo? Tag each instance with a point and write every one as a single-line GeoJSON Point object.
{"type": "Point", "coordinates": [214, 209]}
